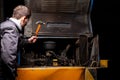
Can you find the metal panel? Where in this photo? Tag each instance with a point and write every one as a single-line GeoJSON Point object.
{"type": "Point", "coordinates": [63, 17]}
{"type": "Point", "coordinates": [51, 73]}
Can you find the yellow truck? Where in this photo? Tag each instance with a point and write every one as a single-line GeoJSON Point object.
{"type": "Point", "coordinates": [66, 48]}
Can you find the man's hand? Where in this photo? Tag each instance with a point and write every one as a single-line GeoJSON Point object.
{"type": "Point", "coordinates": [32, 39]}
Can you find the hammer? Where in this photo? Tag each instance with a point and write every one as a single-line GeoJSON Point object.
{"type": "Point", "coordinates": [39, 23]}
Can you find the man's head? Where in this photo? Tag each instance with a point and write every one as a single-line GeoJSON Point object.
{"type": "Point", "coordinates": [22, 13]}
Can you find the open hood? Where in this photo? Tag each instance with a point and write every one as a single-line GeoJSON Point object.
{"type": "Point", "coordinates": [62, 18]}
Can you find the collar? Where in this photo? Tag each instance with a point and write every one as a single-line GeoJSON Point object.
{"type": "Point", "coordinates": [17, 22]}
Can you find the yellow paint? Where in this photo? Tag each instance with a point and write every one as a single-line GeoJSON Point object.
{"type": "Point", "coordinates": [51, 73]}
{"type": "Point", "coordinates": [88, 75]}
{"type": "Point", "coordinates": [104, 63]}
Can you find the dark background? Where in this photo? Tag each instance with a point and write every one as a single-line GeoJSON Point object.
{"type": "Point", "coordinates": [105, 20]}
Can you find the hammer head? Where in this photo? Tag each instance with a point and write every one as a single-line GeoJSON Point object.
{"type": "Point", "coordinates": [40, 22]}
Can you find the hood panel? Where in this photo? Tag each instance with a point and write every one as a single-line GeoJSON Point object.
{"type": "Point", "coordinates": [61, 17]}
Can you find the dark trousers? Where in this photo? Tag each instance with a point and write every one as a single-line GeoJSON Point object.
{"type": "Point", "coordinates": [5, 72]}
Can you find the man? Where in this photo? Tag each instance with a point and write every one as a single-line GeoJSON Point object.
{"type": "Point", "coordinates": [12, 41]}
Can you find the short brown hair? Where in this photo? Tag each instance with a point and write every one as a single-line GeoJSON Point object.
{"type": "Point", "coordinates": [20, 11]}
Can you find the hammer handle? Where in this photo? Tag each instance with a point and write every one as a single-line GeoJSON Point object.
{"type": "Point", "coordinates": [38, 29]}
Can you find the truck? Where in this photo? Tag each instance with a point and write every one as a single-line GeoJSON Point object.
{"type": "Point", "coordinates": [66, 48]}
